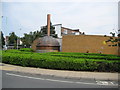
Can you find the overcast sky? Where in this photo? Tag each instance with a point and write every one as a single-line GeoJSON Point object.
{"type": "Point", "coordinates": [96, 18]}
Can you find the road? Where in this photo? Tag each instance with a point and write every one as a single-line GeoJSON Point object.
{"type": "Point", "coordinates": [22, 80]}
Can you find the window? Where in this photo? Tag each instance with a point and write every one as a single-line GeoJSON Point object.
{"type": "Point", "coordinates": [65, 31]}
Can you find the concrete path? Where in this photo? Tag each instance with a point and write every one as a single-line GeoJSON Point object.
{"type": "Point", "coordinates": [61, 73]}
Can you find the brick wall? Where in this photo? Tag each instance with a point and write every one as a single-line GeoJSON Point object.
{"type": "Point", "coordinates": [88, 43]}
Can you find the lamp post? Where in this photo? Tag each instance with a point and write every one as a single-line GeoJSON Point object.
{"type": "Point", "coordinates": [18, 39]}
{"type": "Point", "coordinates": [17, 42]}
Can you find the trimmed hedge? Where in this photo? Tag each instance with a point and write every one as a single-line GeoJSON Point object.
{"type": "Point", "coordinates": [89, 56]}
{"type": "Point", "coordinates": [49, 60]}
{"type": "Point", "coordinates": [26, 49]}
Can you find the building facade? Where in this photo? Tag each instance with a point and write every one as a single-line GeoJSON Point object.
{"type": "Point", "coordinates": [61, 31]}
{"type": "Point", "coordinates": [89, 44]}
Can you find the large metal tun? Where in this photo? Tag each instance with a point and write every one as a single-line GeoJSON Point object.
{"type": "Point", "coordinates": [48, 43]}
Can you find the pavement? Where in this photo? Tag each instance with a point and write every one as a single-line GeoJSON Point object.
{"type": "Point", "coordinates": [61, 73]}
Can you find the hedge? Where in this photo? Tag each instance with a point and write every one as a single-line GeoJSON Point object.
{"type": "Point", "coordinates": [89, 56]}
{"type": "Point", "coordinates": [72, 55]}
{"type": "Point", "coordinates": [26, 49]}
{"type": "Point", "coordinates": [48, 60]}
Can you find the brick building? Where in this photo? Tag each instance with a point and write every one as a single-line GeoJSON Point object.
{"type": "Point", "coordinates": [89, 44]}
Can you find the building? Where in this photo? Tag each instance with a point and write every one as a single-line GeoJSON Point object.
{"type": "Point", "coordinates": [60, 31]}
{"type": "Point", "coordinates": [68, 31]}
{"type": "Point", "coordinates": [89, 44]}
{"type": "Point", "coordinates": [11, 46]}
{"type": "Point", "coordinates": [119, 41]}
{"type": "Point", "coordinates": [6, 40]}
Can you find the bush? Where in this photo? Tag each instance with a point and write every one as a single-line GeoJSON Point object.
{"type": "Point", "coordinates": [49, 60]}
{"type": "Point", "coordinates": [12, 51]}
{"type": "Point", "coordinates": [88, 56]}
{"type": "Point", "coordinates": [26, 49]}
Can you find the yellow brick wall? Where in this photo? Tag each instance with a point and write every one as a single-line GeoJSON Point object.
{"type": "Point", "coordinates": [91, 43]}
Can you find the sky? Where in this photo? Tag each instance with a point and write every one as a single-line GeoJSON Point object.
{"type": "Point", "coordinates": [93, 18]}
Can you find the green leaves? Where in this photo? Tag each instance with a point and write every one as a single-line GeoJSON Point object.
{"type": "Point", "coordinates": [63, 61]}
{"type": "Point", "coordinates": [26, 49]}
{"type": "Point", "coordinates": [12, 39]}
{"type": "Point", "coordinates": [52, 31]}
{"type": "Point", "coordinates": [2, 39]}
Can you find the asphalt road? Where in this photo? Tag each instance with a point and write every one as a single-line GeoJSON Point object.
{"type": "Point", "coordinates": [22, 80]}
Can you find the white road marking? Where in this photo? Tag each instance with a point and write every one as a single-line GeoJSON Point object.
{"type": "Point", "coordinates": [105, 83]}
{"type": "Point", "coordinates": [56, 80]}
{"type": "Point", "coordinates": [111, 82]}
{"type": "Point", "coordinates": [102, 82]}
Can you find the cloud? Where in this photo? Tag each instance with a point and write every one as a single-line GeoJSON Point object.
{"type": "Point", "coordinates": [90, 17]}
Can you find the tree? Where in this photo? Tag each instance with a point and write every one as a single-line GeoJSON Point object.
{"type": "Point", "coordinates": [113, 34]}
{"type": "Point", "coordinates": [52, 31]}
{"type": "Point", "coordinates": [2, 39]}
{"type": "Point", "coordinates": [13, 39]}
{"type": "Point", "coordinates": [29, 38]}
{"type": "Point", "coordinates": [26, 40]}
{"type": "Point", "coordinates": [115, 41]}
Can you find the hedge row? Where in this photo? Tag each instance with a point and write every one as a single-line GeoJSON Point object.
{"type": "Point", "coordinates": [76, 53]}
{"type": "Point", "coordinates": [86, 55]}
{"type": "Point", "coordinates": [89, 56]}
{"type": "Point", "coordinates": [72, 55]}
{"type": "Point", "coordinates": [66, 63]}
{"type": "Point", "coordinates": [26, 49]}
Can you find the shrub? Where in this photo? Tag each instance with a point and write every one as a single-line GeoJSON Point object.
{"type": "Point", "coordinates": [26, 49]}
{"type": "Point", "coordinates": [12, 51]}
{"type": "Point", "coordinates": [88, 56]}
{"type": "Point", "coordinates": [49, 60]}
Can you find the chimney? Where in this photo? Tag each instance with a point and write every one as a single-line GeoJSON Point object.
{"type": "Point", "coordinates": [48, 24]}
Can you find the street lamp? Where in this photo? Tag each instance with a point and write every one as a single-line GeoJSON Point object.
{"type": "Point", "coordinates": [17, 42]}
{"type": "Point", "coordinates": [17, 39]}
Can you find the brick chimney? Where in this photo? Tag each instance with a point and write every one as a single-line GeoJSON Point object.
{"type": "Point", "coordinates": [48, 24]}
